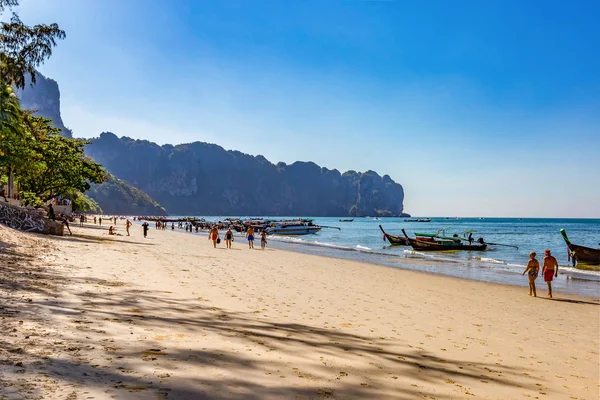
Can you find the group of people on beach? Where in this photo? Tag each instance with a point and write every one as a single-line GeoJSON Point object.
{"type": "Point", "coordinates": [549, 271]}
{"type": "Point", "coordinates": [214, 235]}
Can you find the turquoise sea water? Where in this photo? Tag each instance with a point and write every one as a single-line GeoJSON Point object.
{"type": "Point", "coordinates": [362, 240]}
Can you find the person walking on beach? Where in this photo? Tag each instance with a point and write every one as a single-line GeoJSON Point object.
{"type": "Point", "coordinates": [65, 222]}
{"type": "Point", "coordinates": [263, 239]}
{"type": "Point", "coordinates": [127, 225]}
{"type": "Point", "coordinates": [51, 213]}
{"type": "Point", "coordinates": [94, 220]}
{"type": "Point", "coordinates": [99, 220]}
{"type": "Point", "coordinates": [214, 235]}
{"type": "Point", "coordinates": [81, 220]}
{"type": "Point", "coordinates": [250, 236]}
{"type": "Point", "coordinates": [550, 270]}
{"type": "Point", "coordinates": [228, 237]}
{"type": "Point", "coordinates": [533, 268]}
{"type": "Point", "coordinates": [145, 226]}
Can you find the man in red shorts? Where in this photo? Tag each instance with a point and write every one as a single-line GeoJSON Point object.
{"type": "Point", "coordinates": [550, 270]}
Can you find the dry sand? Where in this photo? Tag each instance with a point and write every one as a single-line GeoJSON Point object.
{"type": "Point", "coordinates": [94, 316]}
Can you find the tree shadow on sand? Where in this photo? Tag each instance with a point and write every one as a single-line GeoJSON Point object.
{"type": "Point", "coordinates": [304, 350]}
{"type": "Point", "coordinates": [146, 310]}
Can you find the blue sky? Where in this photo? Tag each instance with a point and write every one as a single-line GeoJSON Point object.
{"type": "Point", "coordinates": [478, 108]}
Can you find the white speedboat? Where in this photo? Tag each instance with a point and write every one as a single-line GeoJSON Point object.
{"type": "Point", "coordinates": [299, 227]}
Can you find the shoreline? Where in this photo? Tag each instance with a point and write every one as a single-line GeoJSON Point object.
{"type": "Point", "coordinates": [407, 261]}
{"type": "Point", "coordinates": [171, 317]}
{"type": "Point", "coordinates": [404, 263]}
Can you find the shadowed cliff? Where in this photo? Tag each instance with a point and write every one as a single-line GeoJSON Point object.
{"type": "Point", "coordinates": [114, 196]}
{"type": "Point", "coordinates": [204, 179]}
{"type": "Point", "coordinates": [44, 98]}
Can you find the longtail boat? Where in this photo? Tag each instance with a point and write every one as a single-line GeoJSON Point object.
{"type": "Point", "coordinates": [582, 254]}
{"type": "Point", "coordinates": [394, 240]}
{"type": "Point", "coordinates": [433, 244]}
{"type": "Point", "coordinates": [436, 236]}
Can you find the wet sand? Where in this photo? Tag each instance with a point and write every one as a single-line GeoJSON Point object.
{"type": "Point", "coordinates": [99, 316]}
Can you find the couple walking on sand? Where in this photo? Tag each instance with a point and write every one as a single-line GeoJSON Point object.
{"type": "Point", "coordinates": [213, 235]}
{"type": "Point", "coordinates": [216, 239]}
{"type": "Point", "coordinates": [250, 237]}
{"type": "Point", "coordinates": [549, 271]}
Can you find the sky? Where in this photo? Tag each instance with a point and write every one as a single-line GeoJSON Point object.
{"type": "Point", "coordinates": [478, 108]}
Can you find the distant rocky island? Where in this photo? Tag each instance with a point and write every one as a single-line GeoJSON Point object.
{"type": "Point", "coordinates": [205, 179]}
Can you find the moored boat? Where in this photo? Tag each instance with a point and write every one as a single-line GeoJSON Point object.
{"type": "Point", "coordinates": [298, 227]}
{"type": "Point", "coordinates": [418, 220]}
{"type": "Point", "coordinates": [346, 220]}
{"type": "Point", "coordinates": [438, 244]}
{"type": "Point", "coordinates": [394, 240]}
{"type": "Point", "coordinates": [582, 254]}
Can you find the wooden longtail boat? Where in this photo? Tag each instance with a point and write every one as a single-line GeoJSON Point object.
{"type": "Point", "coordinates": [442, 244]}
{"type": "Point", "coordinates": [436, 236]}
{"type": "Point", "coordinates": [394, 240]}
{"type": "Point", "coordinates": [346, 220]}
{"type": "Point", "coordinates": [582, 254]}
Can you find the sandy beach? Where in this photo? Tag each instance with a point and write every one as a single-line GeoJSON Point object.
{"type": "Point", "coordinates": [93, 316]}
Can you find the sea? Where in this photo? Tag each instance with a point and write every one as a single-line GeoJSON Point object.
{"type": "Point", "coordinates": [362, 240]}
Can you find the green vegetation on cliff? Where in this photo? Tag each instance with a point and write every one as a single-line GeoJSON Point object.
{"type": "Point", "coordinates": [117, 197]}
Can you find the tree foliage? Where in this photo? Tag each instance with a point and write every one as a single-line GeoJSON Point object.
{"type": "Point", "coordinates": [44, 163]}
{"type": "Point", "coordinates": [23, 48]}
{"type": "Point", "coordinates": [14, 138]}
{"type": "Point", "coordinates": [57, 164]}
{"type": "Point", "coordinates": [83, 203]}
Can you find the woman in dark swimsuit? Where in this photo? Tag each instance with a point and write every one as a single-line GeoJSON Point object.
{"type": "Point", "coordinates": [263, 239]}
{"type": "Point", "coordinates": [228, 238]}
{"type": "Point", "coordinates": [533, 267]}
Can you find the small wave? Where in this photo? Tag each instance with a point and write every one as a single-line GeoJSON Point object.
{"type": "Point", "coordinates": [359, 247]}
{"type": "Point", "coordinates": [331, 245]}
{"type": "Point", "coordinates": [413, 253]}
{"type": "Point", "coordinates": [490, 260]}
{"type": "Point", "coordinates": [289, 239]}
{"type": "Point", "coordinates": [580, 273]}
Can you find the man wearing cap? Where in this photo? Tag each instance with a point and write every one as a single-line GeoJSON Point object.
{"type": "Point", "coordinates": [550, 270]}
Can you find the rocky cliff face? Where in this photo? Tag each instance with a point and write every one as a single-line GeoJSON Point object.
{"type": "Point", "coordinates": [114, 196]}
{"type": "Point", "coordinates": [204, 179]}
{"type": "Point", "coordinates": [44, 97]}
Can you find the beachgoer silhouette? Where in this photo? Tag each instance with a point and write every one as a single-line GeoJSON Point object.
{"type": "Point", "coordinates": [51, 213]}
{"type": "Point", "coordinates": [550, 270]}
{"type": "Point", "coordinates": [533, 267]}
{"type": "Point", "coordinates": [127, 225]}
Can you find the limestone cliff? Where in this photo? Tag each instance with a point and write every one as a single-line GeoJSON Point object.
{"type": "Point", "coordinates": [44, 98]}
{"type": "Point", "coordinates": [204, 179]}
{"type": "Point", "coordinates": [114, 196]}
